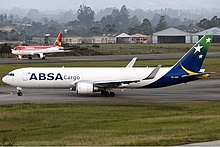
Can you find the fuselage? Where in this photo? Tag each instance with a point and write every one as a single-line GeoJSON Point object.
{"type": "Point", "coordinates": [67, 77]}
{"type": "Point", "coordinates": [33, 50]}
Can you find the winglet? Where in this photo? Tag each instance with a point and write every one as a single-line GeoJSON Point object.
{"type": "Point", "coordinates": [131, 63]}
{"type": "Point", "coordinates": [153, 73]}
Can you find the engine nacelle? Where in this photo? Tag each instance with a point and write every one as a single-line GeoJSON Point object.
{"type": "Point", "coordinates": [41, 56]}
{"type": "Point", "coordinates": [85, 88]}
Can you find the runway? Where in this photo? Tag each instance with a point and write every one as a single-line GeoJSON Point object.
{"type": "Point", "coordinates": [202, 90]}
{"type": "Point", "coordinates": [99, 58]}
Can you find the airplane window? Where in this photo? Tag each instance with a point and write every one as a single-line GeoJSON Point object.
{"type": "Point", "coordinates": [11, 74]}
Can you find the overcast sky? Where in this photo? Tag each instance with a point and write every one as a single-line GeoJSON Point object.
{"type": "Point", "coordinates": [101, 4]}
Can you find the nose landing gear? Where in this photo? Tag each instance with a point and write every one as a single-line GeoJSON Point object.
{"type": "Point", "coordinates": [19, 93]}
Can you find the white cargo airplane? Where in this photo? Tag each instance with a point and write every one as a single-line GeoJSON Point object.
{"type": "Point", "coordinates": [89, 80]}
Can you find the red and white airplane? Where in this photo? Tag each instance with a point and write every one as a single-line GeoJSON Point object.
{"type": "Point", "coordinates": [39, 51]}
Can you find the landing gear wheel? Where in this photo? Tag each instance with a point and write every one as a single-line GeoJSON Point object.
{"type": "Point", "coordinates": [29, 57]}
{"type": "Point", "coordinates": [43, 58]}
{"type": "Point", "coordinates": [19, 57]}
{"type": "Point", "coordinates": [112, 94]}
{"type": "Point", "coordinates": [19, 93]}
{"type": "Point", "coordinates": [107, 94]}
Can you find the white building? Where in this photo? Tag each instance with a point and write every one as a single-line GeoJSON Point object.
{"type": "Point", "coordinates": [171, 35]}
{"type": "Point", "coordinates": [123, 38]}
{"type": "Point", "coordinates": [214, 31]}
{"type": "Point", "coordinates": [72, 40]}
{"type": "Point", "coordinates": [104, 38]}
{"type": "Point", "coordinates": [184, 35]}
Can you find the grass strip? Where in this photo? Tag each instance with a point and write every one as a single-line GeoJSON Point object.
{"type": "Point", "coordinates": [127, 124]}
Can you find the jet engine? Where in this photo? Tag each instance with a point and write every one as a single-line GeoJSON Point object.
{"type": "Point", "coordinates": [85, 88]}
{"type": "Point", "coordinates": [41, 56]}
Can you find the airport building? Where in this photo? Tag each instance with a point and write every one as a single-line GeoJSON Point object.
{"type": "Point", "coordinates": [72, 40]}
{"type": "Point", "coordinates": [109, 38]}
{"type": "Point", "coordinates": [123, 38]}
{"type": "Point", "coordinates": [214, 31]}
{"type": "Point", "coordinates": [105, 38]}
{"type": "Point", "coordinates": [184, 35]}
{"type": "Point", "coordinates": [140, 38]}
{"type": "Point", "coordinates": [180, 34]}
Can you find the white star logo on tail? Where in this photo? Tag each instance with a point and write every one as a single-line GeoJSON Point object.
{"type": "Point", "coordinates": [200, 56]}
{"type": "Point", "coordinates": [198, 48]}
{"type": "Point", "coordinates": [208, 40]}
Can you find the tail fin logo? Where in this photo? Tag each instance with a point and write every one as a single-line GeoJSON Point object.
{"type": "Point", "coordinates": [194, 58]}
{"type": "Point", "coordinates": [208, 40]}
{"type": "Point", "coordinates": [199, 53]}
{"type": "Point", "coordinates": [58, 41]}
{"type": "Point", "coordinates": [198, 48]}
{"type": "Point", "coordinates": [187, 71]}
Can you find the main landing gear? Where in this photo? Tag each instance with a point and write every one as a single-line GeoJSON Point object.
{"type": "Point", "coordinates": [107, 93]}
{"type": "Point", "coordinates": [29, 57]}
{"type": "Point", "coordinates": [19, 93]}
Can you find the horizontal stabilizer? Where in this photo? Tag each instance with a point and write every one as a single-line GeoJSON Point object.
{"type": "Point", "coordinates": [153, 73]}
{"type": "Point", "coordinates": [199, 75]}
{"type": "Point", "coordinates": [131, 63]}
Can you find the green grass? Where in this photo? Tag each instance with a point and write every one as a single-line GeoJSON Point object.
{"type": "Point", "coordinates": [109, 123]}
{"type": "Point", "coordinates": [210, 64]}
{"type": "Point", "coordinates": [135, 49]}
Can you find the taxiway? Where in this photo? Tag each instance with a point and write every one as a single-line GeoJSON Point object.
{"type": "Point", "coordinates": [99, 58]}
{"type": "Point", "coordinates": [202, 90]}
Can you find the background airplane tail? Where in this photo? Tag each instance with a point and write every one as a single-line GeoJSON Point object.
{"type": "Point", "coordinates": [193, 59]}
{"type": "Point", "coordinates": [58, 41]}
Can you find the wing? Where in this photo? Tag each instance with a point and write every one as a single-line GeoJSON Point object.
{"type": "Point", "coordinates": [114, 83]}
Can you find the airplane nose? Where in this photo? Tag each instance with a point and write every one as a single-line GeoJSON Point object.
{"type": "Point", "coordinates": [5, 79]}
{"type": "Point", "coordinates": [13, 51]}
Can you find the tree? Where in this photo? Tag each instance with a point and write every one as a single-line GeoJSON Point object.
{"type": "Point", "coordinates": [146, 27]}
{"type": "Point", "coordinates": [215, 21]}
{"type": "Point", "coordinates": [124, 15]}
{"type": "Point", "coordinates": [85, 15]}
{"type": "Point", "coordinates": [96, 30]}
{"type": "Point", "coordinates": [1, 18]}
{"type": "Point", "coordinates": [204, 23]}
{"type": "Point", "coordinates": [108, 29]}
{"type": "Point", "coordinates": [134, 30]}
{"type": "Point", "coordinates": [134, 21]}
{"type": "Point", "coordinates": [34, 14]}
{"type": "Point", "coordinates": [123, 19]}
{"type": "Point", "coordinates": [162, 24]}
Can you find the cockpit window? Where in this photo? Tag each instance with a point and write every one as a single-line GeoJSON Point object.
{"type": "Point", "coordinates": [11, 74]}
